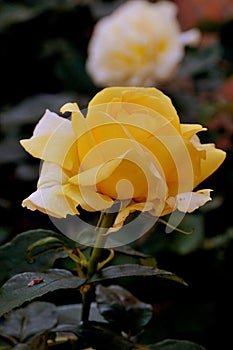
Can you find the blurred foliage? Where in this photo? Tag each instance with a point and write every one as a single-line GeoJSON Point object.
{"type": "Point", "coordinates": [42, 65]}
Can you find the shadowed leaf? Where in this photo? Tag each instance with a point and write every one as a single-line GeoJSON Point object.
{"type": "Point", "coordinates": [17, 290]}
{"type": "Point", "coordinates": [24, 323]}
{"type": "Point", "coordinates": [13, 263]}
{"type": "Point", "coordinates": [120, 308]}
{"type": "Point", "coordinates": [171, 344]}
{"type": "Point", "coordinates": [133, 270]}
{"type": "Point", "coordinates": [100, 337]}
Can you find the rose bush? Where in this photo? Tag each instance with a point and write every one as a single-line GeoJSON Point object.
{"type": "Point", "coordinates": [139, 44]}
{"type": "Point", "coordinates": [130, 147]}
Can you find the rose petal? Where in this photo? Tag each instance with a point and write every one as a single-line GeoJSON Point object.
{"type": "Point", "coordinates": [51, 201]}
{"type": "Point", "coordinates": [136, 176]}
{"type": "Point", "coordinates": [51, 197]}
{"type": "Point", "coordinates": [88, 198]}
{"type": "Point", "coordinates": [150, 98]}
{"type": "Point", "coordinates": [96, 174]}
{"type": "Point", "coordinates": [53, 140]}
{"type": "Point", "coordinates": [213, 159]}
{"type": "Point", "coordinates": [189, 130]}
{"type": "Point", "coordinates": [125, 212]}
{"type": "Point", "coordinates": [189, 201]}
{"type": "Point", "coordinates": [191, 37]}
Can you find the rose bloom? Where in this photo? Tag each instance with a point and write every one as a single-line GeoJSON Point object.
{"type": "Point", "coordinates": [139, 44]}
{"type": "Point", "coordinates": [130, 147]}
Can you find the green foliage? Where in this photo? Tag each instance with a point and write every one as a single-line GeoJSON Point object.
{"type": "Point", "coordinates": [116, 311]}
{"type": "Point", "coordinates": [24, 248]}
{"type": "Point", "coordinates": [17, 289]}
{"type": "Point", "coordinates": [133, 270]}
{"type": "Point", "coordinates": [29, 322]}
{"type": "Point", "coordinates": [171, 344]}
{"type": "Point", "coordinates": [33, 325]}
{"type": "Point", "coordinates": [121, 309]}
{"type": "Point", "coordinates": [71, 314]}
{"type": "Point", "coordinates": [100, 336]}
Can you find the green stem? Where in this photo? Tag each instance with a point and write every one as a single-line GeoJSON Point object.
{"type": "Point", "coordinates": [86, 292]}
{"type": "Point", "coordinates": [106, 221]}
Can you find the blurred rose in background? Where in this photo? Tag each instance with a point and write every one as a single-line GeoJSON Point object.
{"type": "Point", "coordinates": [140, 43]}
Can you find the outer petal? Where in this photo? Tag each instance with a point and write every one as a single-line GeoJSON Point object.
{"type": "Point", "coordinates": [213, 159]}
{"type": "Point", "coordinates": [51, 197]}
{"type": "Point", "coordinates": [50, 201]}
{"type": "Point", "coordinates": [189, 130]}
{"type": "Point", "coordinates": [189, 201]}
{"type": "Point", "coordinates": [209, 158]}
{"type": "Point", "coordinates": [53, 140]}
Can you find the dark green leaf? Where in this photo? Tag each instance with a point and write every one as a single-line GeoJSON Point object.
{"type": "Point", "coordinates": [24, 323]}
{"type": "Point", "coordinates": [171, 344]}
{"type": "Point", "coordinates": [130, 251]}
{"type": "Point", "coordinates": [128, 255]}
{"type": "Point", "coordinates": [17, 290]}
{"type": "Point", "coordinates": [133, 270]}
{"type": "Point", "coordinates": [37, 343]}
{"type": "Point", "coordinates": [22, 347]}
{"type": "Point", "coordinates": [120, 308]}
{"type": "Point", "coordinates": [13, 254]}
{"type": "Point", "coordinates": [71, 314]}
{"type": "Point", "coordinates": [100, 337]}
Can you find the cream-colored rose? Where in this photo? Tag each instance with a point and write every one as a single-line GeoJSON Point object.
{"type": "Point", "coordinates": [130, 147]}
{"type": "Point", "coordinates": [139, 44]}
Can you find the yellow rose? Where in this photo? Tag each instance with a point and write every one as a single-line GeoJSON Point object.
{"type": "Point", "coordinates": [130, 147]}
{"type": "Point", "coordinates": [139, 44]}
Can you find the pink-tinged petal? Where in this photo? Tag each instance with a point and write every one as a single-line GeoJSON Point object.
{"type": "Point", "coordinates": [53, 140]}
